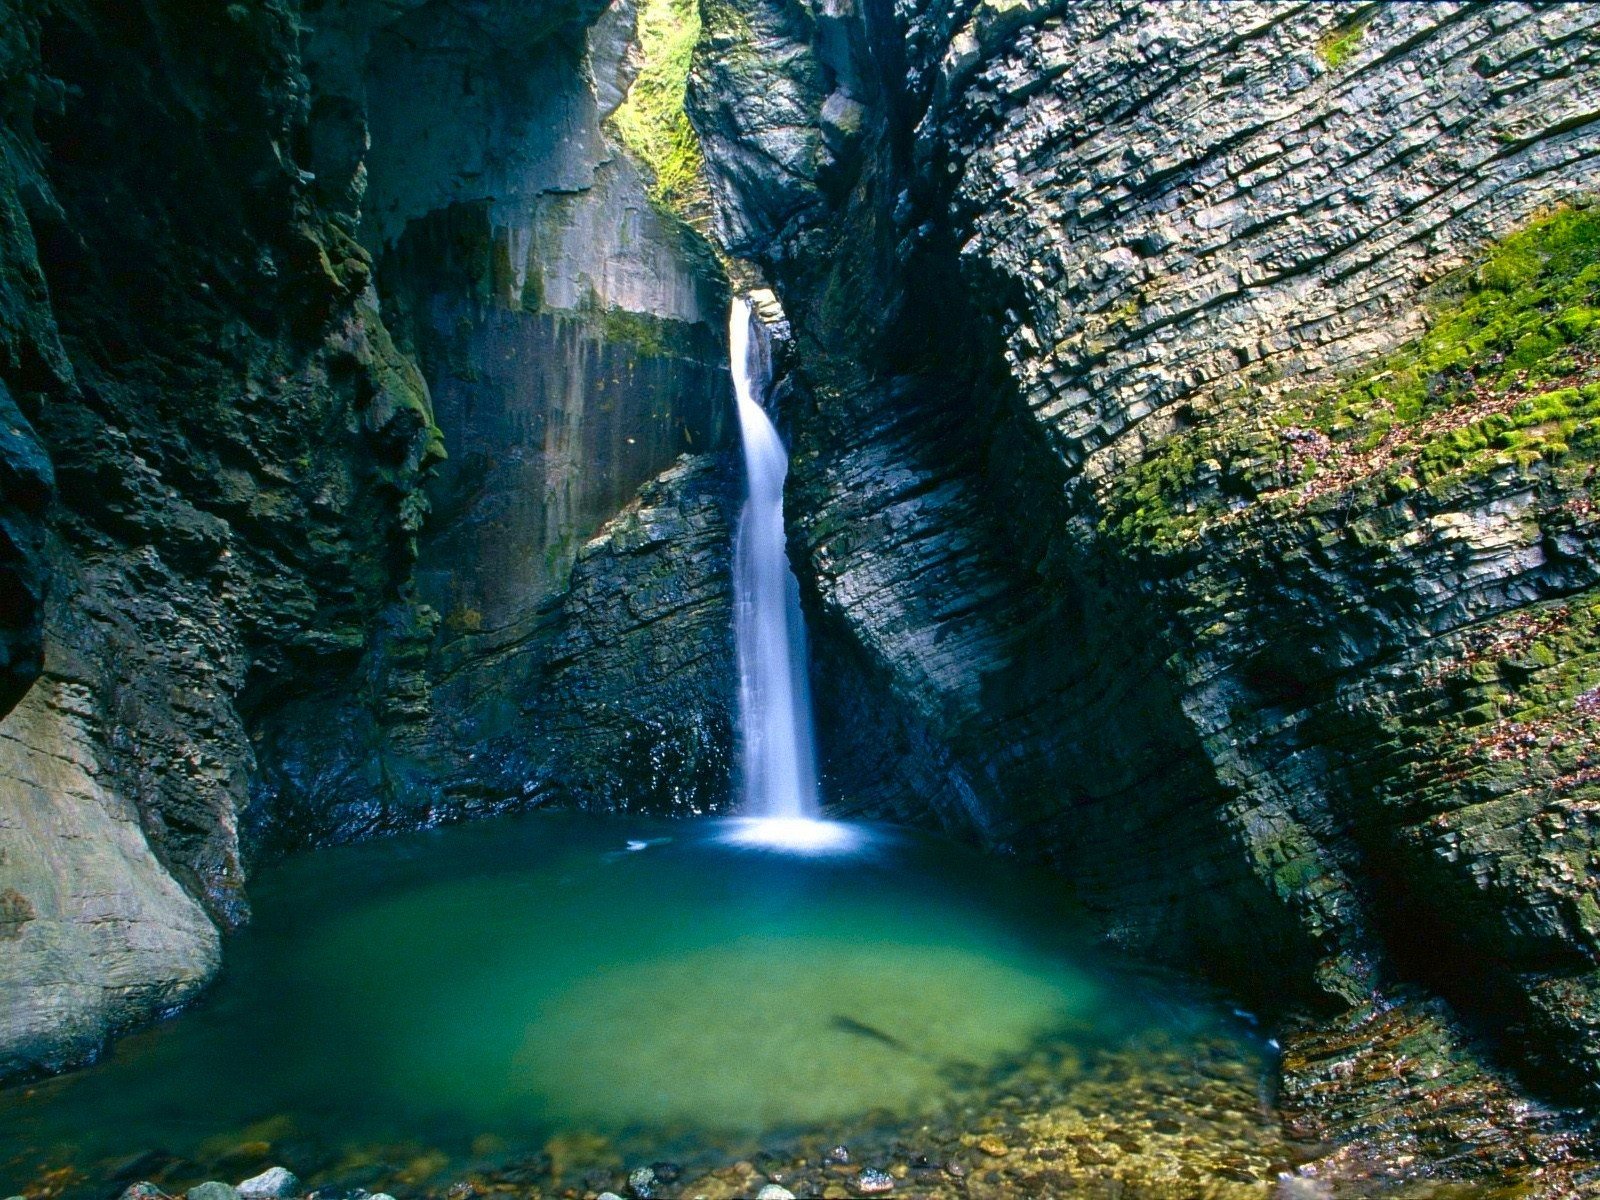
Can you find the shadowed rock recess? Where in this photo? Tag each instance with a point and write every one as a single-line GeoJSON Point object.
{"type": "Point", "coordinates": [1194, 411]}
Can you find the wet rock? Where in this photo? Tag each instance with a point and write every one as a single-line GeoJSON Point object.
{"type": "Point", "coordinates": [143, 1191]}
{"type": "Point", "coordinates": [774, 1191]}
{"type": "Point", "coordinates": [837, 1154]}
{"type": "Point", "coordinates": [272, 1184]}
{"type": "Point", "coordinates": [871, 1182]}
{"type": "Point", "coordinates": [993, 1146]}
{"type": "Point", "coordinates": [642, 1182]}
{"type": "Point", "coordinates": [213, 1190]}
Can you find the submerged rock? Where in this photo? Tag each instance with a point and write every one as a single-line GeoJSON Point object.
{"type": "Point", "coordinates": [272, 1184]}
{"type": "Point", "coordinates": [774, 1191]}
{"type": "Point", "coordinates": [872, 1181]}
{"type": "Point", "coordinates": [214, 1190]}
{"type": "Point", "coordinates": [642, 1182]}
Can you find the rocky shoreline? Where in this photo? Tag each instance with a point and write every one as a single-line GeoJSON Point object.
{"type": "Point", "coordinates": [1163, 1119]}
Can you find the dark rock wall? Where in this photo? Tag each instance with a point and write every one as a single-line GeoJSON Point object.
{"type": "Point", "coordinates": [241, 649]}
{"type": "Point", "coordinates": [237, 448]}
{"type": "Point", "coordinates": [1043, 247]}
{"type": "Point", "coordinates": [571, 334]}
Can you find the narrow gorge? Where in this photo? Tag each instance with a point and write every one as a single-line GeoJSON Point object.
{"type": "Point", "coordinates": [1191, 410]}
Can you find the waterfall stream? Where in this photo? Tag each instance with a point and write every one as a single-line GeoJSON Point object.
{"type": "Point", "coordinates": [778, 746]}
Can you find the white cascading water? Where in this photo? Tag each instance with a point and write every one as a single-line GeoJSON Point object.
{"type": "Point", "coordinates": [779, 755]}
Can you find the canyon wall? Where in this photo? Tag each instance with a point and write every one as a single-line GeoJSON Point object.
{"type": "Point", "coordinates": [1122, 480]}
{"type": "Point", "coordinates": [263, 266]}
{"type": "Point", "coordinates": [1192, 483]}
{"type": "Point", "coordinates": [570, 328]}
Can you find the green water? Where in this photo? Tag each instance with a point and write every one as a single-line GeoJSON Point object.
{"type": "Point", "coordinates": [500, 984]}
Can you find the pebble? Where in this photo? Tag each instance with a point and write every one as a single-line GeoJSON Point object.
{"type": "Point", "coordinates": [608, 1196]}
{"type": "Point", "coordinates": [872, 1181]}
{"type": "Point", "coordinates": [993, 1146]}
{"type": "Point", "coordinates": [134, 1191]}
{"type": "Point", "coordinates": [642, 1182]}
{"type": "Point", "coordinates": [839, 1154]}
{"type": "Point", "coordinates": [774, 1191]}
{"type": "Point", "coordinates": [213, 1190]}
{"type": "Point", "coordinates": [272, 1184]}
{"type": "Point", "coordinates": [954, 1169]}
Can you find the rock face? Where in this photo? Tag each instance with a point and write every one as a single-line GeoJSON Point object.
{"type": "Point", "coordinates": [1192, 417]}
{"type": "Point", "coordinates": [241, 650]}
{"type": "Point", "coordinates": [1071, 286]}
{"type": "Point", "coordinates": [570, 331]}
{"type": "Point", "coordinates": [237, 449]}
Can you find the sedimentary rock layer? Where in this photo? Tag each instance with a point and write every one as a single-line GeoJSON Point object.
{"type": "Point", "coordinates": [1040, 290]}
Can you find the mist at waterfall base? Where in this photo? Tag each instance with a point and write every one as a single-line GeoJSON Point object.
{"type": "Point", "coordinates": [778, 752]}
{"type": "Point", "coordinates": [527, 977]}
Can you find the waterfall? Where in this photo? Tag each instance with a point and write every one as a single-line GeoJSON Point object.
{"type": "Point", "coordinates": [778, 746]}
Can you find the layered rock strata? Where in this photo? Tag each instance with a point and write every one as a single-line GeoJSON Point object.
{"type": "Point", "coordinates": [1077, 290]}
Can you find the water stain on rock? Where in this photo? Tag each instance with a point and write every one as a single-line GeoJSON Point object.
{"type": "Point", "coordinates": [16, 910]}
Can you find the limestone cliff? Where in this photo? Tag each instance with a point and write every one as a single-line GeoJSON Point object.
{"type": "Point", "coordinates": [1106, 492]}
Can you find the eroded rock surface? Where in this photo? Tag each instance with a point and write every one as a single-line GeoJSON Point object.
{"type": "Point", "coordinates": [569, 327]}
{"type": "Point", "coordinates": [1055, 302]}
{"type": "Point", "coordinates": [240, 415]}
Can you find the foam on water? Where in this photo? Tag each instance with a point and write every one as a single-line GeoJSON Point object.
{"type": "Point", "coordinates": [796, 835]}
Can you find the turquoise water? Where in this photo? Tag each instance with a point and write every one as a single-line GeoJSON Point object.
{"type": "Point", "coordinates": [500, 984]}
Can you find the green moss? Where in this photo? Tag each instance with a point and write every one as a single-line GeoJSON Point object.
{"type": "Point", "coordinates": [1515, 319]}
{"type": "Point", "coordinates": [401, 383]}
{"type": "Point", "coordinates": [1340, 42]}
{"type": "Point", "coordinates": [1503, 376]}
{"type": "Point", "coordinates": [648, 336]}
{"type": "Point", "coordinates": [652, 122]}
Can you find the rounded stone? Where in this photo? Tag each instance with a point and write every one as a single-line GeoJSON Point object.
{"type": "Point", "coordinates": [774, 1191]}
{"type": "Point", "coordinates": [872, 1181]}
{"type": "Point", "coordinates": [272, 1184]}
